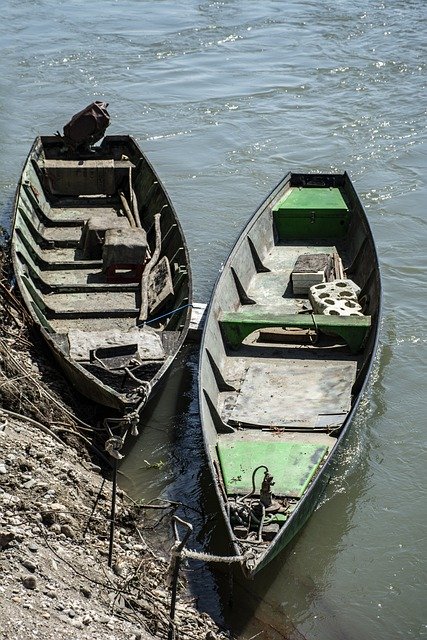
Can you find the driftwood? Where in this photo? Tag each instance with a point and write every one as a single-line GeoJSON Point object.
{"type": "Point", "coordinates": [143, 312]}
{"type": "Point", "coordinates": [127, 210]}
{"type": "Point", "coordinates": [133, 201]}
{"type": "Point", "coordinates": [338, 268]}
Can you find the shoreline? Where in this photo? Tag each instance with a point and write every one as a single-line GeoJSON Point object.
{"type": "Point", "coordinates": [55, 503]}
{"type": "Point", "coordinates": [54, 548]}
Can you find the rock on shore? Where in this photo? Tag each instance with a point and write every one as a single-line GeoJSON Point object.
{"type": "Point", "coordinates": [54, 579]}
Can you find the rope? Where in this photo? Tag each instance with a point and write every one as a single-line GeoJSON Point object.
{"type": "Point", "coordinates": [113, 446]}
{"type": "Point", "coordinates": [209, 557]}
{"type": "Point", "coordinates": [248, 495]}
{"type": "Point", "coordinates": [145, 385]}
{"type": "Point", "coordinates": [165, 315]}
{"type": "Point", "coordinates": [315, 328]}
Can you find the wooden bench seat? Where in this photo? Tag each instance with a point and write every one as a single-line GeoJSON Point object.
{"type": "Point", "coordinates": [237, 325]}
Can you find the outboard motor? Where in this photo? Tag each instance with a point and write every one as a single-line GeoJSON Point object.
{"type": "Point", "coordinates": [87, 127]}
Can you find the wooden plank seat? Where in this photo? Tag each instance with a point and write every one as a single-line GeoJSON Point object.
{"type": "Point", "coordinates": [238, 325]}
{"type": "Point", "coordinates": [84, 177]}
{"type": "Point", "coordinates": [83, 305]}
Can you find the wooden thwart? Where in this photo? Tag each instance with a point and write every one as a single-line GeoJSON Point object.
{"type": "Point", "coordinates": [238, 325]}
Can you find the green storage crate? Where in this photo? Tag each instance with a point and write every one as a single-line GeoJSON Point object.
{"type": "Point", "coordinates": [308, 213]}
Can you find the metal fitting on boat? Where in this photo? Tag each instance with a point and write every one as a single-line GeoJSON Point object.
{"type": "Point", "coordinates": [265, 495]}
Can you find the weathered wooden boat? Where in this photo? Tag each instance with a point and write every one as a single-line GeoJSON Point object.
{"type": "Point", "coordinates": [288, 344]}
{"type": "Point", "coordinates": [102, 265]}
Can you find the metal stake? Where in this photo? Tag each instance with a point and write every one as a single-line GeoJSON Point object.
{"type": "Point", "coordinates": [113, 513]}
{"type": "Point", "coordinates": [175, 575]}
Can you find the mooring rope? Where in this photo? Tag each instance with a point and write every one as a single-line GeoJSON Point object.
{"type": "Point", "coordinates": [209, 557]}
{"type": "Point", "coordinates": [165, 315]}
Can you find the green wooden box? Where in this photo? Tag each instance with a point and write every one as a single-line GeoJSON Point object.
{"type": "Point", "coordinates": [306, 213]}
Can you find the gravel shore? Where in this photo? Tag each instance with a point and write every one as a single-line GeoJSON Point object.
{"type": "Point", "coordinates": [55, 512]}
{"type": "Point", "coordinates": [55, 582]}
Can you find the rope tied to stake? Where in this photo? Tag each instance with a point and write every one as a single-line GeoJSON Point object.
{"type": "Point", "coordinates": [115, 442]}
{"type": "Point", "coordinates": [113, 446]}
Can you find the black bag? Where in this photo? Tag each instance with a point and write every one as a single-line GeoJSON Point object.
{"type": "Point", "coordinates": [88, 126]}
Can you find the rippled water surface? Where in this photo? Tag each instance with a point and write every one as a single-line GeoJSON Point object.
{"type": "Point", "coordinates": [225, 97]}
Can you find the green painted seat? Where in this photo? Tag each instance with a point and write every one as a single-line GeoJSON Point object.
{"type": "Point", "coordinates": [238, 325]}
{"type": "Point", "coordinates": [291, 464]}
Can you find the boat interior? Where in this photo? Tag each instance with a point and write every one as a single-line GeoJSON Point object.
{"type": "Point", "coordinates": [282, 364]}
{"type": "Point", "coordinates": [101, 259]}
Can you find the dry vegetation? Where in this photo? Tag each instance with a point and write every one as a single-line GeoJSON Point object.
{"type": "Point", "coordinates": [55, 509]}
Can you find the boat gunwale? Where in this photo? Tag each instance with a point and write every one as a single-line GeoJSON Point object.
{"type": "Point", "coordinates": [116, 400]}
{"type": "Point", "coordinates": [272, 549]}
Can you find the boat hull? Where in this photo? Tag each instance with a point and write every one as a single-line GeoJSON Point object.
{"type": "Point", "coordinates": [102, 265]}
{"type": "Point", "coordinates": [280, 381]}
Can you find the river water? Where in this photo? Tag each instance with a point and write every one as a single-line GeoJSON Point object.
{"type": "Point", "coordinates": [225, 97]}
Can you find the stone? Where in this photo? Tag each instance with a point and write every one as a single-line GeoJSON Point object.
{"type": "Point", "coordinates": [6, 538]}
{"type": "Point", "coordinates": [33, 547]}
{"type": "Point", "coordinates": [28, 565]}
{"type": "Point", "coordinates": [55, 528]}
{"type": "Point", "coordinates": [29, 582]}
{"type": "Point", "coordinates": [30, 483]}
{"type": "Point", "coordinates": [118, 569]}
{"type": "Point", "coordinates": [3, 468]}
{"type": "Point", "coordinates": [87, 593]}
{"type": "Point", "coordinates": [67, 531]}
{"type": "Point", "coordinates": [78, 624]}
{"type": "Point", "coordinates": [49, 518]}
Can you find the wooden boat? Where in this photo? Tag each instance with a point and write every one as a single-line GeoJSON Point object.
{"type": "Point", "coordinates": [102, 265]}
{"type": "Point", "coordinates": [282, 369]}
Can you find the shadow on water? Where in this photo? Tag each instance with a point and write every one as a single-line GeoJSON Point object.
{"type": "Point", "coordinates": [383, 359]}
{"type": "Point", "coordinates": [168, 462]}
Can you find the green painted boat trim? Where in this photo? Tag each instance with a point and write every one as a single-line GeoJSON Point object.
{"type": "Point", "coordinates": [308, 198]}
{"type": "Point", "coordinates": [265, 396]}
{"type": "Point", "coordinates": [238, 325]}
{"type": "Point", "coordinates": [292, 464]}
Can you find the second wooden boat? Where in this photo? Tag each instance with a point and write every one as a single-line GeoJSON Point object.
{"type": "Point", "coordinates": [102, 265]}
{"type": "Point", "coordinates": [288, 344]}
